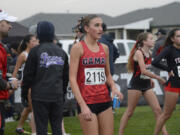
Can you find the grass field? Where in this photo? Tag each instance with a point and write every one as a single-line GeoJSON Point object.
{"type": "Point", "coordinates": [141, 123]}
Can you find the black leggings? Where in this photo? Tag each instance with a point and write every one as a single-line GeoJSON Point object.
{"type": "Point", "coordinates": [2, 117]}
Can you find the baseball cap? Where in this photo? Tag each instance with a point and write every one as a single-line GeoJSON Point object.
{"type": "Point", "coordinates": [161, 31]}
{"type": "Point", "coordinates": [6, 17]}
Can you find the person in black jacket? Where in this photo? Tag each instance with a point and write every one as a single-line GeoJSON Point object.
{"type": "Point", "coordinates": [46, 73]}
{"type": "Point", "coordinates": [171, 53]}
{"type": "Point", "coordinates": [161, 37]}
{"type": "Point", "coordinates": [107, 39]}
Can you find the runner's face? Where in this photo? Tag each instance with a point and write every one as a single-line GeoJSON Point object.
{"type": "Point", "coordinates": [4, 28]}
{"type": "Point", "coordinates": [33, 42]}
{"type": "Point", "coordinates": [176, 38]}
{"type": "Point", "coordinates": [149, 41]}
{"type": "Point", "coordinates": [95, 28]}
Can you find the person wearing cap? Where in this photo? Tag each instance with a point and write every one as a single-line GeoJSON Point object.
{"type": "Point", "coordinates": [161, 36]}
{"type": "Point", "coordinates": [46, 73]}
{"type": "Point", "coordinates": [5, 26]}
{"type": "Point", "coordinates": [78, 30]}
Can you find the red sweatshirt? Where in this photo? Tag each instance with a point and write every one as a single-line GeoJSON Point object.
{"type": "Point", "coordinates": [3, 68]}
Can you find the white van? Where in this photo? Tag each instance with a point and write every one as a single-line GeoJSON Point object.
{"type": "Point", "coordinates": [67, 45]}
{"type": "Point", "coordinates": [124, 47]}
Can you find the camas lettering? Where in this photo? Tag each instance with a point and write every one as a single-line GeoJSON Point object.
{"type": "Point", "coordinates": [93, 61]}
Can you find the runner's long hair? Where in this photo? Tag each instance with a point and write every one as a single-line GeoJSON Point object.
{"type": "Point", "coordinates": [139, 44]}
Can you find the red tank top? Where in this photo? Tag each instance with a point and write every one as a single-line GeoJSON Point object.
{"type": "Point", "coordinates": [91, 76]}
{"type": "Point", "coordinates": [137, 71]}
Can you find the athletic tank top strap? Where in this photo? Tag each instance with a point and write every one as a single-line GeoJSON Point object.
{"type": "Point", "coordinates": [23, 65]}
{"type": "Point", "coordinates": [85, 47]}
{"type": "Point", "coordinates": [146, 59]}
{"type": "Point", "coordinates": [100, 46]}
{"type": "Point", "coordinates": [25, 53]}
{"type": "Point", "coordinates": [142, 52]}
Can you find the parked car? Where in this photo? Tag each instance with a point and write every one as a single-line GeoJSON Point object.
{"type": "Point", "coordinates": [124, 46]}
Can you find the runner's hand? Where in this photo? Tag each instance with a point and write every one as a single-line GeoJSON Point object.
{"type": "Point", "coordinates": [15, 84]}
{"type": "Point", "coordinates": [118, 94]}
{"type": "Point", "coordinates": [86, 113]}
{"type": "Point", "coordinates": [171, 73]}
{"type": "Point", "coordinates": [152, 83]}
{"type": "Point", "coordinates": [162, 81]}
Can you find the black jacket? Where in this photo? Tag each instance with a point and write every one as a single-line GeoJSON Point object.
{"type": "Point", "coordinates": [107, 39]}
{"type": "Point", "coordinates": [46, 73]}
{"type": "Point", "coordinates": [159, 43]}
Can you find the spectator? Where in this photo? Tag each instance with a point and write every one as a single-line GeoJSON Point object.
{"type": "Point", "coordinates": [46, 73]}
{"type": "Point", "coordinates": [14, 51]}
{"type": "Point", "coordinates": [107, 39]}
{"type": "Point", "coordinates": [78, 30]}
{"type": "Point", "coordinates": [5, 26]}
{"type": "Point", "coordinates": [161, 36]}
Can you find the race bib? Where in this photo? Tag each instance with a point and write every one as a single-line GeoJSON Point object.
{"type": "Point", "coordinates": [95, 76]}
{"type": "Point", "coordinates": [142, 76]}
{"type": "Point", "coordinates": [178, 69]}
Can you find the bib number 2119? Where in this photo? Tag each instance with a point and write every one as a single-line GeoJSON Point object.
{"type": "Point", "coordinates": [95, 76]}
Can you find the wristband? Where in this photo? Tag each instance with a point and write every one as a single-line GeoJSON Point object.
{"type": "Point", "coordinates": [11, 85]}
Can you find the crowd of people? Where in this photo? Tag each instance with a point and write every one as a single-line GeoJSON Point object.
{"type": "Point", "coordinates": [45, 72]}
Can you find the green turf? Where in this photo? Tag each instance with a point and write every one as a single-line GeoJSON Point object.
{"type": "Point", "coordinates": [141, 123]}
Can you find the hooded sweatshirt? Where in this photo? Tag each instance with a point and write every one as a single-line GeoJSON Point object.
{"type": "Point", "coordinates": [4, 94]}
{"type": "Point", "coordinates": [46, 69]}
{"type": "Point", "coordinates": [107, 39]}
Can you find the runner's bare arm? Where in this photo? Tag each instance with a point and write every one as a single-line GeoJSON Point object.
{"type": "Point", "coordinates": [76, 53]}
{"type": "Point", "coordinates": [138, 56]}
{"type": "Point", "coordinates": [20, 60]}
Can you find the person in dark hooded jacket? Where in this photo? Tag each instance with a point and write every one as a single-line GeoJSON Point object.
{"type": "Point", "coordinates": [108, 39]}
{"type": "Point", "coordinates": [161, 37]}
{"type": "Point", "coordinates": [46, 73]}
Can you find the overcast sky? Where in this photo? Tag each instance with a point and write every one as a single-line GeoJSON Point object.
{"type": "Point", "coordinates": [25, 8]}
